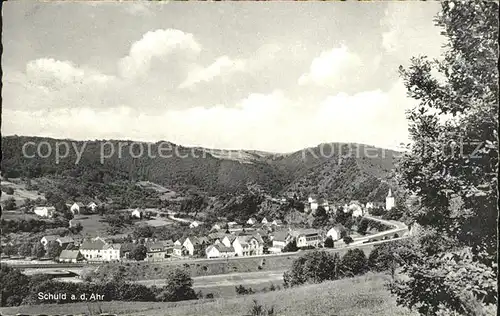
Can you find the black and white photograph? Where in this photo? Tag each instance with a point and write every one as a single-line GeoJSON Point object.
{"type": "Point", "coordinates": [249, 158]}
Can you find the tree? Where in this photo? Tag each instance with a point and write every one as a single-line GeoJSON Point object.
{"type": "Point", "coordinates": [354, 262]}
{"type": "Point", "coordinates": [9, 250]}
{"type": "Point", "coordinates": [53, 249]}
{"type": "Point", "coordinates": [320, 217]}
{"type": "Point", "coordinates": [179, 286]}
{"type": "Point", "coordinates": [363, 226]}
{"type": "Point", "coordinates": [25, 249]}
{"type": "Point", "coordinates": [454, 157]}
{"type": "Point", "coordinates": [138, 253]}
{"type": "Point", "coordinates": [313, 267]}
{"type": "Point", "coordinates": [291, 246]}
{"type": "Point", "coordinates": [38, 251]}
{"type": "Point", "coordinates": [347, 240]}
{"type": "Point", "coordinates": [10, 204]}
{"type": "Point", "coordinates": [329, 243]}
{"type": "Point", "coordinates": [14, 286]}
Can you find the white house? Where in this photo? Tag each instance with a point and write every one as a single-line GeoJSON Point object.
{"type": "Point", "coordinates": [76, 208]}
{"type": "Point", "coordinates": [248, 246]}
{"type": "Point", "coordinates": [264, 221]}
{"type": "Point", "coordinates": [369, 205]}
{"type": "Point", "coordinates": [307, 237]}
{"type": "Point", "coordinates": [136, 213]}
{"type": "Point", "coordinates": [389, 201]}
{"type": "Point", "coordinates": [92, 250]}
{"type": "Point", "coordinates": [336, 232]}
{"type": "Point", "coordinates": [280, 240]}
{"type": "Point", "coordinates": [228, 240]}
{"type": "Point", "coordinates": [313, 205]}
{"type": "Point", "coordinates": [192, 242]}
{"type": "Point", "coordinates": [111, 252]}
{"type": "Point", "coordinates": [47, 239]}
{"type": "Point", "coordinates": [45, 211]}
{"type": "Point", "coordinates": [71, 256]}
{"type": "Point", "coordinates": [356, 208]}
{"type": "Point", "coordinates": [92, 207]}
{"type": "Point", "coordinates": [220, 251]}
{"type": "Point", "coordinates": [180, 251]}
{"type": "Point", "coordinates": [194, 224]}
{"type": "Point", "coordinates": [277, 222]}
{"type": "Point", "coordinates": [251, 221]}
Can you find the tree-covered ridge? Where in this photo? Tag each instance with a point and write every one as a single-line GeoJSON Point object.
{"type": "Point", "coordinates": [313, 170]}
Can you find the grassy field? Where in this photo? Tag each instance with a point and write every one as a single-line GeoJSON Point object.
{"type": "Point", "coordinates": [365, 295]}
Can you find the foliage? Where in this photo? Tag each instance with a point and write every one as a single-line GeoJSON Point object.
{"type": "Point", "coordinates": [138, 253]}
{"type": "Point", "coordinates": [31, 225]}
{"type": "Point", "coordinates": [329, 243]}
{"type": "Point", "coordinates": [241, 290]}
{"type": "Point", "coordinates": [454, 157]}
{"type": "Point", "coordinates": [53, 249]}
{"type": "Point", "coordinates": [347, 240]}
{"type": "Point", "coordinates": [179, 286]}
{"type": "Point", "coordinates": [291, 246]}
{"type": "Point", "coordinates": [10, 204]}
{"type": "Point", "coordinates": [354, 262]}
{"type": "Point", "coordinates": [260, 310]}
{"type": "Point", "coordinates": [14, 286]}
{"type": "Point", "coordinates": [312, 267]}
{"type": "Point", "coordinates": [38, 251]}
{"type": "Point", "coordinates": [363, 226]}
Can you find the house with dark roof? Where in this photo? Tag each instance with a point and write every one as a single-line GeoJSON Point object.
{"type": "Point", "coordinates": [280, 239]}
{"type": "Point", "coordinates": [219, 251]}
{"type": "Point", "coordinates": [337, 232]}
{"type": "Point", "coordinates": [47, 239]}
{"type": "Point", "coordinates": [65, 241]}
{"type": "Point", "coordinates": [159, 250]}
{"type": "Point", "coordinates": [307, 237]}
{"type": "Point", "coordinates": [180, 251]}
{"type": "Point", "coordinates": [72, 256]}
{"type": "Point", "coordinates": [92, 249]}
{"type": "Point", "coordinates": [248, 245]}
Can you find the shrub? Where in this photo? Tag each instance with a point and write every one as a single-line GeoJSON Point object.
{"type": "Point", "coordinates": [312, 267]}
{"type": "Point", "coordinates": [354, 262]}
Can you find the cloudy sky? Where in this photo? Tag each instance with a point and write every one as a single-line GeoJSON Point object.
{"type": "Point", "coordinates": [266, 76]}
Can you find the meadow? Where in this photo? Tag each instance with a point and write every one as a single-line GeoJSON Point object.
{"type": "Point", "coordinates": [364, 295]}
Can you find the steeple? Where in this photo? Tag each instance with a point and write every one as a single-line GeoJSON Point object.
{"type": "Point", "coordinates": [390, 193]}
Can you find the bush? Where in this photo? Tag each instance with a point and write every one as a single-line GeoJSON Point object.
{"type": "Point", "coordinates": [260, 310]}
{"type": "Point", "coordinates": [329, 243]}
{"type": "Point", "coordinates": [241, 290]}
{"type": "Point", "coordinates": [354, 262]}
{"type": "Point", "coordinates": [312, 267]}
{"type": "Point", "coordinates": [291, 247]}
{"type": "Point", "coordinates": [179, 286]}
{"type": "Point", "coordinates": [347, 240]}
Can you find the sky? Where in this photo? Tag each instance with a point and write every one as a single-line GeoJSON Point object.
{"type": "Point", "coordinates": [268, 76]}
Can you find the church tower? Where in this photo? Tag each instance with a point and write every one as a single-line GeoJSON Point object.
{"type": "Point", "coordinates": [389, 201]}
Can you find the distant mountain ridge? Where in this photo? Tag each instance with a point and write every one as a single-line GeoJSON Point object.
{"type": "Point", "coordinates": [336, 171]}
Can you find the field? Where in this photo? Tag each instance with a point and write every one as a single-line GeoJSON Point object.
{"type": "Point", "coordinates": [365, 295]}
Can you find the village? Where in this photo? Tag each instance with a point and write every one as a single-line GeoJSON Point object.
{"type": "Point", "coordinates": [255, 237]}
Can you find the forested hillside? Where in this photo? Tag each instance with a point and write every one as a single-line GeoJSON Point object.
{"type": "Point", "coordinates": [335, 171]}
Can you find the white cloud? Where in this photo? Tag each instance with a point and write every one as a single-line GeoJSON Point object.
{"type": "Point", "coordinates": [331, 67]}
{"type": "Point", "coordinates": [222, 66]}
{"type": "Point", "coordinates": [406, 36]}
{"type": "Point", "coordinates": [156, 44]}
{"type": "Point", "coordinates": [269, 122]}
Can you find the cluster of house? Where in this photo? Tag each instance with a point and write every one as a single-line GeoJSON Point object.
{"type": "Point", "coordinates": [357, 208]}
{"type": "Point", "coordinates": [75, 208]}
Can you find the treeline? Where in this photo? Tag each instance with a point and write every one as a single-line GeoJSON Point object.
{"type": "Point", "coordinates": [19, 289]}
{"type": "Point", "coordinates": [181, 166]}
{"type": "Point", "coordinates": [319, 266]}
{"type": "Point", "coordinates": [31, 225]}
